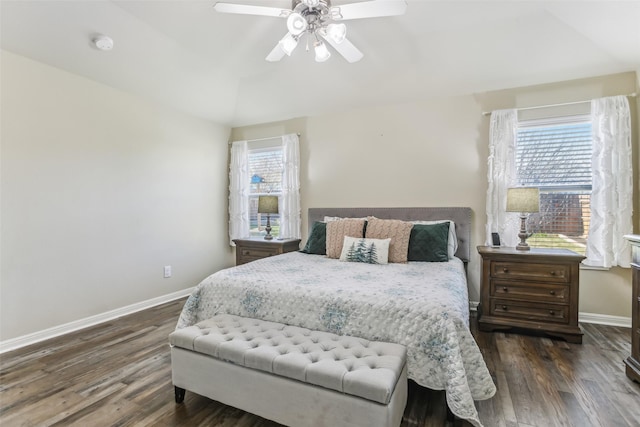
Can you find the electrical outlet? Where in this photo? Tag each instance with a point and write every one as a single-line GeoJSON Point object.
{"type": "Point", "coordinates": [167, 271]}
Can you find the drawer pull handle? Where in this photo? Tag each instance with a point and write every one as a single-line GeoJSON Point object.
{"type": "Point", "coordinates": [505, 270]}
{"type": "Point", "coordinates": [552, 292]}
{"type": "Point", "coordinates": [553, 273]}
{"type": "Point", "coordinates": [504, 307]}
{"type": "Point", "coordinates": [551, 312]}
{"type": "Point", "coordinates": [505, 289]}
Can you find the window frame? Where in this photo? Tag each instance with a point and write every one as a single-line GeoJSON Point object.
{"type": "Point", "coordinates": [253, 147]}
{"type": "Point", "coordinates": [579, 189]}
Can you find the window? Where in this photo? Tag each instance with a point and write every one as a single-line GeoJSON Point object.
{"type": "Point", "coordinates": [260, 167]}
{"type": "Point", "coordinates": [576, 202]}
{"type": "Point", "coordinates": [555, 156]}
{"type": "Point", "coordinates": [265, 173]}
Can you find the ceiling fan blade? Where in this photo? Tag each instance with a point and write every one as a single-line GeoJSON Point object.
{"type": "Point", "coordinates": [369, 9]}
{"type": "Point", "coordinates": [276, 54]}
{"type": "Point", "coordinates": [346, 49]}
{"type": "Point", "coordinates": [246, 9]}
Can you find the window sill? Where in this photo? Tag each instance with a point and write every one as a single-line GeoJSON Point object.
{"type": "Point", "coordinates": [593, 267]}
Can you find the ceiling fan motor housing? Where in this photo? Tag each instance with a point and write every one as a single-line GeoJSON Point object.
{"type": "Point", "coordinates": [315, 12]}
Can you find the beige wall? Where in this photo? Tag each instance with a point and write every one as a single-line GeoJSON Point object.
{"type": "Point", "coordinates": [100, 190]}
{"type": "Point", "coordinates": [433, 153]}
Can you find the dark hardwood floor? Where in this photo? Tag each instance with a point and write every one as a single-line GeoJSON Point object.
{"type": "Point", "coordinates": [118, 374]}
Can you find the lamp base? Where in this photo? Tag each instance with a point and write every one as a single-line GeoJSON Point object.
{"type": "Point", "coordinates": [523, 235]}
{"type": "Point", "coordinates": [268, 236]}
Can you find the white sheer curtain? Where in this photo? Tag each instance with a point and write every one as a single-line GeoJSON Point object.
{"type": "Point", "coordinates": [611, 194]}
{"type": "Point", "coordinates": [289, 208]}
{"type": "Point", "coordinates": [239, 191]}
{"type": "Point", "coordinates": [502, 175]}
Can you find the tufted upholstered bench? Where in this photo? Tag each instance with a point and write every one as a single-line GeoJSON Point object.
{"type": "Point", "coordinates": [295, 376]}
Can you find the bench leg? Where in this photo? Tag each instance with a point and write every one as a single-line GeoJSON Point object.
{"type": "Point", "coordinates": [179, 394]}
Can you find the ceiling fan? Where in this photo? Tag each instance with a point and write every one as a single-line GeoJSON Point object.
{"type": "Point", "coordinates": [320, 22]}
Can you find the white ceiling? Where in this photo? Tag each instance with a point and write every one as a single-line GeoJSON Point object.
{"type": "Point", "coordinates": [185, 54]}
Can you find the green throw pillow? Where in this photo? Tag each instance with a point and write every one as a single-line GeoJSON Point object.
{"type": "Point", "coordinates": [428, 242]}
{"type": "Point", "coordinates": [317, 241]}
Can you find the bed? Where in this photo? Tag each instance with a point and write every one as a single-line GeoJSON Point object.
{"type": "Point", "coordinates": [421, 305]}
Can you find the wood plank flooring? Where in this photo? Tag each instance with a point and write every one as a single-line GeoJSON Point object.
{"type": "Point", "coordinates": [118, 374]}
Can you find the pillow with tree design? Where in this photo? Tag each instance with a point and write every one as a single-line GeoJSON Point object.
{"type": "Point", "coordinates": [370, 251]}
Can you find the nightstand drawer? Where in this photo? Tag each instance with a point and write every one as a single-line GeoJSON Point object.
{"type": "Point", "coordinates": [559, 273]}
{"type": "Point", "coordinates": [529, 311]}
{"type": "Point", "coordinates": [530, 291]}
{"type": "Point", "coordinates": [259, 252]}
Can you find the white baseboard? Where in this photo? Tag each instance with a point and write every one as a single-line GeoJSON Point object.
{"type": "Point", "coordinates": [25, 340]}
{"type": "Point", "coordinates": [599, 319]}
{"type": "Point", "coordinates": [604, 319]}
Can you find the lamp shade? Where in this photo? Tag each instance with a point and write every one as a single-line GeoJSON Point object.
{"type": "Point", "coordinates": [268, 204]}
{"type": "Point", "coordinates": [296, 24]}
{"type": "Point", "coordinates": [288, 43]}
{"type": "Point", "coordinates": [337, 32]}
{"type": "Point", "coordinates": [322, 53]}
{"type": "Point", "coordinates": [523, 199]}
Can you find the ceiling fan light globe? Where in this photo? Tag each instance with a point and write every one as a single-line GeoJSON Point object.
{"type": "Point", "coordinates": [288, 44]}
{"type": "Point", "coordinates": [337, 32]}
{"type": "Point", "coordinates": [322, 53]}
{"type": "Point", "coordinates": [296, 24]}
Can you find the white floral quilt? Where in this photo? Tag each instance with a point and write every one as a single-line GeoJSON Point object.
{"type": "Point", "coordinates": [421, 305]}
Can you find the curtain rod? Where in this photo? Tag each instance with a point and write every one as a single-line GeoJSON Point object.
{"type": "Point", "coordinates": [487, 113]}
{"type": "Point", "coordinates": [264, 139]}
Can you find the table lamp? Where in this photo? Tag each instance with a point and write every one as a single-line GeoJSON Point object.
{"type": "Point", "coordinates": [268, 205]}
{"type": "Point", "coordinates": [525, 200]}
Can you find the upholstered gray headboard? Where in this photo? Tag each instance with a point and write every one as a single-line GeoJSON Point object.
{"type": "Point", "coordinates": [461, 217]}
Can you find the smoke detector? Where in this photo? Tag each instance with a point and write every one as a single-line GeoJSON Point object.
{"type": "Point", "coordinates": [103, 42]}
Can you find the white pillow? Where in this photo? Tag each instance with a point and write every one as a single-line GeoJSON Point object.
{"type": "Point", "coordinates": [452, 241]}
{"type": "Point", "coordinates": [370, 251]}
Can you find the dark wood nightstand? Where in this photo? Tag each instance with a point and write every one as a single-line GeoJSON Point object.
{"type": "Point", "coordinates": [248, 250]}
{"type": "Point", "coordinates": [633, 361]}
{"type": "Point", "coordinates": [535, 290]}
